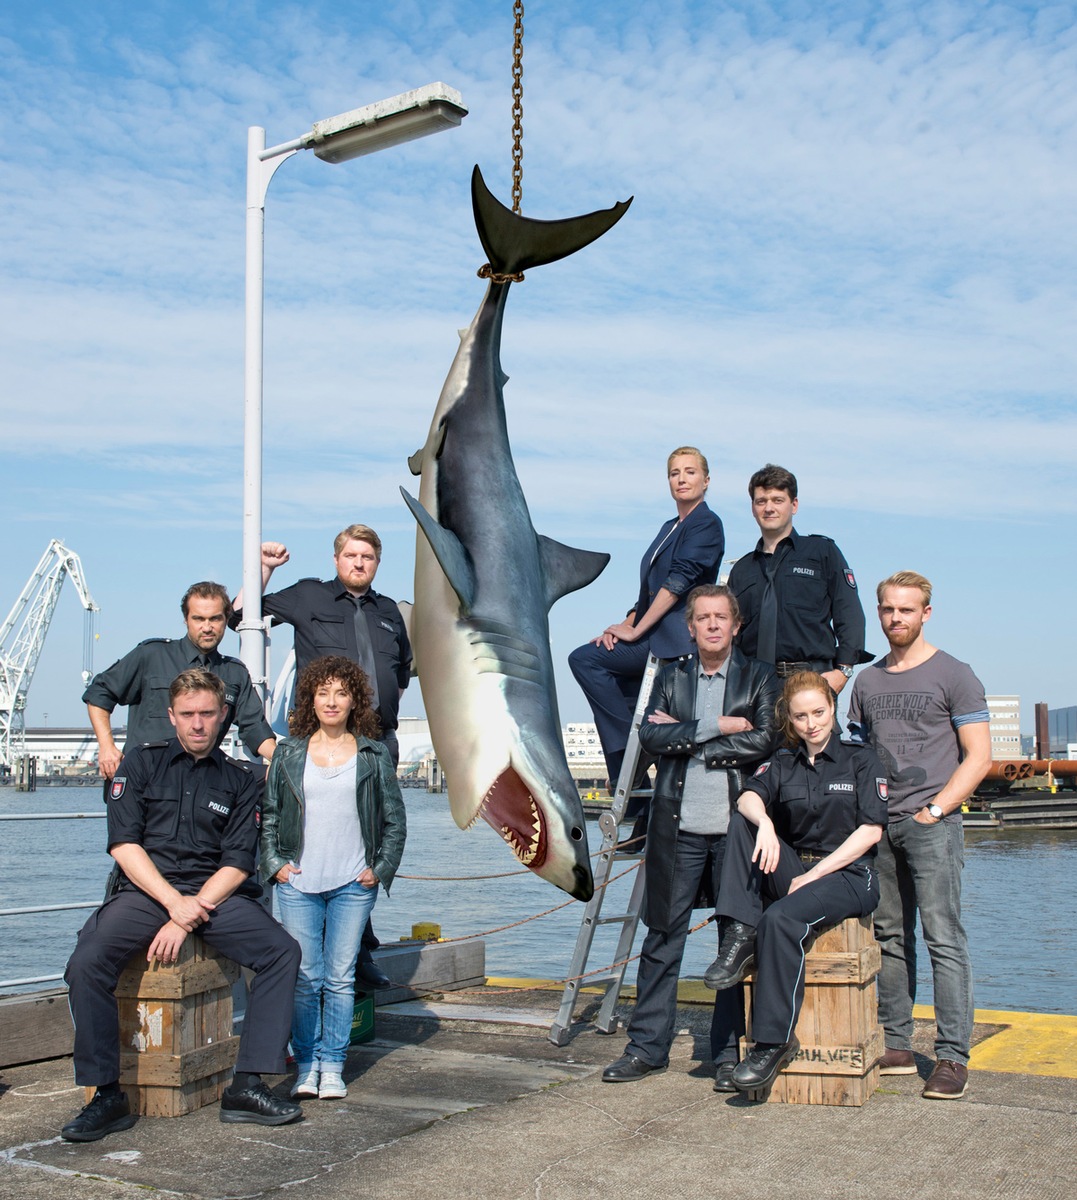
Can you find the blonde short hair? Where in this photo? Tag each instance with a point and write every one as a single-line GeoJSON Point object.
{"type": "Point", "coordinates": [357, 533]}
{"type": "Point", "coordinates": [911, 579]}
{"type": "Point", "coordinates": [693, 452]}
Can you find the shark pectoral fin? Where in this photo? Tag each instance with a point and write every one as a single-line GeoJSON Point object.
{"type": "Point", "coordinates": [436, 442]}
{"type": "Point", "coordinates": [567, 569]}
{"type": "Point", "coordinates": [406, 609]}
{"type": "Point", "coordinates": [453, 559]}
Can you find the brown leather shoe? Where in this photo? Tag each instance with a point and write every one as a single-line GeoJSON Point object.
{"type": "Point", "coordinates": [948, 1081]}
{"type": "Point", "coordinates": [897, 1062]}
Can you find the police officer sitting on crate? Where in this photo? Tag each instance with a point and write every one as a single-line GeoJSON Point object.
{"type": "Point", "coordinates": [183, 829]}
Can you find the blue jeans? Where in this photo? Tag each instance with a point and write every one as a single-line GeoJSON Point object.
{"type": "Point", "coordinates": [920, 869]}
{"type": "Point", "coordinates": [328, 927]}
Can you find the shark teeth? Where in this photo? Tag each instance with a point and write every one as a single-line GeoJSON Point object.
{"type": "Point", "coordinates": [525, 854]}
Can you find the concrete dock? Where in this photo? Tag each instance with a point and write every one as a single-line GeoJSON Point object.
{"type": "Point", "coordinates": [462, 1095]}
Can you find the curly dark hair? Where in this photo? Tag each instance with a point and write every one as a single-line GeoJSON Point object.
{"type": "Point", "coordinates": [362, 720]}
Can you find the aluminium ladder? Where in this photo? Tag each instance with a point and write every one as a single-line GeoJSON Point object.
{"type": "Point", "coordinates": [609, 823]}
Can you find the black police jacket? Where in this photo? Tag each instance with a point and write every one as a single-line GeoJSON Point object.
{"type": "Point", "coordinates": [751, 691]}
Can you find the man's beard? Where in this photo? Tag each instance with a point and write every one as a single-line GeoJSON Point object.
{"type": "Point", "coordinates": [904, 637]}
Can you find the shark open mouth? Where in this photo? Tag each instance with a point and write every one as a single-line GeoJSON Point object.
{"type": "Point", "coordinates": [510, 808]}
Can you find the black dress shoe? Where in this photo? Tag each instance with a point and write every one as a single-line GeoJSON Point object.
{"type": "Point", "coordinates": [627, 1069]}
{"type": "Point", "coordinates": [102, 1116]}
{"type": "Point", "coordinates": [723, 1077]}
{"type": "Point", "coordinates": [736, 957]}
{"type": "Point", "coordinates": [369, 976]}
{"type": "Point", "coordinates": [257, 1105]}
{"type": "Point", "coordinates": [761, 1065]}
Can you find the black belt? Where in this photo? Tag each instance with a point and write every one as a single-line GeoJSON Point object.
{"type": "Point", "coordinates": [786, 669]}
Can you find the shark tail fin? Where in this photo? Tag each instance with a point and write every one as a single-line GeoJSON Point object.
{"type": "Point", "coordinates": [514, 243]}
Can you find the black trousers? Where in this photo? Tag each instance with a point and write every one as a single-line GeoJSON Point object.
{"type": "Point", "coordinates": [238, 927]}
{"type": "Point", "coordinates": [651, 1029]}
{"type": "Point", "coordinates": [785, 923]}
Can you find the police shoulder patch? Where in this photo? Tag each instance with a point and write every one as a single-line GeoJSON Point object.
{"type": "Point", "coordinates": [850, 579]}
{"type": "Point", "coordinates": [119, 785]}
{"type": "Point", "coordinates": [762, 769]}
{"type": "Point", "coordinates": [882, 789]}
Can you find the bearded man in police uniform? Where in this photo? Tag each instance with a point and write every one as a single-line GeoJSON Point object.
{"type": "Point", "coordinates": [141, 680]}
{"type": "Point", "coordinates": [183, 830]}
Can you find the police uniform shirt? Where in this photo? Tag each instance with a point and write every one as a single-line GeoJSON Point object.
{"type": "Point", "coordinates": [142, 678]}
{"type": "Point", "coordinates": [323, 614]}
{"type": "Point", "coordinates": [190, 816]}
{"type": "Point", "coordinates": [816, 807]}
{"type": "Point", "coordinates": [820, 618]}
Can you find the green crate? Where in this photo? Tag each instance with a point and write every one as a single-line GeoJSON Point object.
{"type": "Point", "coordinates": [362, 1019]}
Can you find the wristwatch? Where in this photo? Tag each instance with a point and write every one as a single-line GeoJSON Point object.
{"type": "Point", "coordinates": [846, 671]}
{"type": "Point", "coordinates": [935, 811]}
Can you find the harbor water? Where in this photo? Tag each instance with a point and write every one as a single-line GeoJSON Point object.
{"type": "Point", "coordinates": [1018, 895]}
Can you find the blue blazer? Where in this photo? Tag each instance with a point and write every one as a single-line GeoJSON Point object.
{"type": "Point", "coordinates": [689, 556]}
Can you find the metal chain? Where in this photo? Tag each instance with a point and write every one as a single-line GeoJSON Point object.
{"type": "Point", "coordinates": [517, 105]}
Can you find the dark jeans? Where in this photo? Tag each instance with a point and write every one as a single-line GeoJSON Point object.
{"type": "Point", "coordinates": [610, 680]}
{"type": "Point", "coordinates": [785, 923]}
{"type": "Point", "coordinates": [920, 871]}
{"type": "Point", "coordinates": [239, 928]}
{"type": "Point", "coordinates": [651, 1029]}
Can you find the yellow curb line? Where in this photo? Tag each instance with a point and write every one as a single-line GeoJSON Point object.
{"type": "Point", "coordinates": [1028, 1044]}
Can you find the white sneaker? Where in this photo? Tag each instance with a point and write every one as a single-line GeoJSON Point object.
{"type": "Point", "coordinates": [306, 1085]}
{"type": "Point", "coordinates": [331, 1086]}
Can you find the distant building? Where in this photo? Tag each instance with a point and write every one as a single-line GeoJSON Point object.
{"type": "Point", "coordinates": [70, 751]}
{"type": "Point", "coordinates": [1005, 726]}
{"type": "Point", "coordinates": [584, 751]}
{"type": "Point", "coordinates": [1062, 731]}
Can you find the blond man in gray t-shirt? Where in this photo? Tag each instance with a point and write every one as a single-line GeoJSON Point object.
{"type": "Point", "coordinates": [926, 716]}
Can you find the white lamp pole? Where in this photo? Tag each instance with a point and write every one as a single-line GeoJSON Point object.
{"type": "Point", "coordinates": [362, 131]}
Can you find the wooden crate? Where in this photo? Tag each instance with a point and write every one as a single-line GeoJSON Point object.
{"type": "Point", "coordinates": [838, 1029]}
{"type": "Point", "coordinates": [177, 1049]}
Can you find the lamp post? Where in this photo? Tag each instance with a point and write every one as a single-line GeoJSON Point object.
{"type": "Point", "coordinates": [352, 134]}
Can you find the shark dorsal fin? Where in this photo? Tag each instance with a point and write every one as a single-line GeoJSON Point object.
{"type": "Point", "coordinates": [566, 569]}
{"type": "Point", "coordinates": [453, 559]}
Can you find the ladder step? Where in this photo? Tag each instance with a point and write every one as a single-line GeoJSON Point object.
{"type": "Point", "coordinates": [618, 917]}
{"type": "Point", "coordinates": [600, 980]}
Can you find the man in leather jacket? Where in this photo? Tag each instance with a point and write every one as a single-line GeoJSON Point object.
{"type": "Point", "coordinates": [710, 721]}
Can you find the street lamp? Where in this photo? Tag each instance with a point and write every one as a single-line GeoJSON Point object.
{"type": "Point", "coordinates": [362, 131]}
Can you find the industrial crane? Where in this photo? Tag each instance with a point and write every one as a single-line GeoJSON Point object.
{"type": "Point", "coordinates": [23, 634]}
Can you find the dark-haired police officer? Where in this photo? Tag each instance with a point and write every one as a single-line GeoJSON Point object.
{"type": "Point", "coordinates": [142, 677]}
{"type": "Point", "coordinates": [798, 599]}
{"type": "Point", "coordinates": [183, 829]}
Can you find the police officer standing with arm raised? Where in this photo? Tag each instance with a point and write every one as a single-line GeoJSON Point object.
{"type": "Point", "coordinates": [141, 680]}
{"type": "Point", "coordinates": [798, 599]}
{"type": "Point", "coordinates": [345, 616]}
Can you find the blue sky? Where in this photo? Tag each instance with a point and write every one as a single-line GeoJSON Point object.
{"type": "Point", "coordinates": [852, 252]}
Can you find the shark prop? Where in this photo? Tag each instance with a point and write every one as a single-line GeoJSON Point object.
{"type": "Point", "coordinates": [485, 581]}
